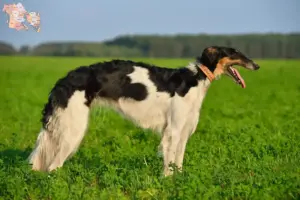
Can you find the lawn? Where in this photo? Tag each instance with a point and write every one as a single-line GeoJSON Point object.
{"type": "Point", "coordinates": [246, 146]}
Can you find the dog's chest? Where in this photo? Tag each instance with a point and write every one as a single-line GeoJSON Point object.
{"type": "Point", "coordinates": [194, 98]}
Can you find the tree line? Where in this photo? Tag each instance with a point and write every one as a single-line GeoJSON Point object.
{"type": "Point", "coordinates": [177, 46]}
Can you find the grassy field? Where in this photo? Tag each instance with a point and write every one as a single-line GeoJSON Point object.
{"type": "Point", "coordinates": [247, 145]}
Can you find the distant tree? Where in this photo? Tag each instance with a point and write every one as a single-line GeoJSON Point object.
{"type": "Point", "coordinates": [7, 49]}
{"type": "Point", "coordinates": [188, 46]}
{"type": "Point", "coordinates": [24, 50]}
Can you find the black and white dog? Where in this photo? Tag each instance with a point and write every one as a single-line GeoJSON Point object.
{"type": "Point", "coordinates": [163, 99]}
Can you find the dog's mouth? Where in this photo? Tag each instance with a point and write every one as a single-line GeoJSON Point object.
{"type": "Point", "coordinates": [235, 75]}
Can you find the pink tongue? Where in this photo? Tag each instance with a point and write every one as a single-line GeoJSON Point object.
{"type": "Point", "coordinates": [242, 83]}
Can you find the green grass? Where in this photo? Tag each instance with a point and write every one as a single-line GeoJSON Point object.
{"type": "Point", "coordinates": [246, 146]}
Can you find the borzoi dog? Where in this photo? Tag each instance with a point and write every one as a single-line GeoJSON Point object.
{"type": "Point", "coordinates": [162, 99]}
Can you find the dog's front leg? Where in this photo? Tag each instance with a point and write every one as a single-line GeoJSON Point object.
{"type": "Point", "coordinates": [181, 148]}
{"type": "Point", "coordinates": [168, 146]}
{"type": "Point", "coordinates": [171, 151]}
{"type": "Point", "coordinates": [164, 146]}
{"type": "Point", "coordinates": [188, 130]}
{"type": "Point", "coordinates": [171, 137]}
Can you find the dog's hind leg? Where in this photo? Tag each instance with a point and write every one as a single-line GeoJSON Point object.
{"type": "Point", "coordinates": [63, 134]}
{"type": "Point", "coordinates": [43, 152]}
{"type": "Point", "coordinates": [65, 119]}
{"type": "Point", "coordinates": [75, 119]}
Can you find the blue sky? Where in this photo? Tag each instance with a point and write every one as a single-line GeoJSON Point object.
{"type": "Point", "coordinates": [98, 20]}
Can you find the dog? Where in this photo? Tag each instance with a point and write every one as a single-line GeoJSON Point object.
{"type": "Point", "coordinates": [165, 100]}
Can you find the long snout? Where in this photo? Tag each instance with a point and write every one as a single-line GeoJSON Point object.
{"type": "Point", "coordinates": [252, 66]}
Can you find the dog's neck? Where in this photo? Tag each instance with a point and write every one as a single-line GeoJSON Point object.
{"type": "Point", "coordinates": [203, 80]}
{"type": "Point", "coordinates": [201, 71]}
{"type": "Point", "coordinates": [207, 72]}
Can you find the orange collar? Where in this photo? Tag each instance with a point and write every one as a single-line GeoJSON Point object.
{"type": "Point", "coordinates": [207, 72]}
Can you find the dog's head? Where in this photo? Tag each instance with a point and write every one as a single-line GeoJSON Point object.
{"type": "Point", "coordinates": [220, 60]}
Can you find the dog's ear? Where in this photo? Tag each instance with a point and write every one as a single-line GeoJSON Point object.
{"type": "Point", "coordinates": [210, 57]}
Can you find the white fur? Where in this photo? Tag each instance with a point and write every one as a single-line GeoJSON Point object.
{"type": "Point", "coordinates": [63, 136]}
{"type": "Point", "coordinates": [176, 118]}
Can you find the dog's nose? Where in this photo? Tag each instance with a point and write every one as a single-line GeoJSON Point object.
{"type": "Point", "coordinates": [256, 66]}
{"type": "Point", "coordinates": [252, 66]}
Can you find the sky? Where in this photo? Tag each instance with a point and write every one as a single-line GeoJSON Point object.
{"type": "Point", "coordinates": [99, 20]}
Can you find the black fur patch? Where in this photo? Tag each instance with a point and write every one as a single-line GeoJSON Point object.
{"type": "Point", "coordinates": [64, 88]}
{"type": "Point", "coordinates": [109, 80]}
